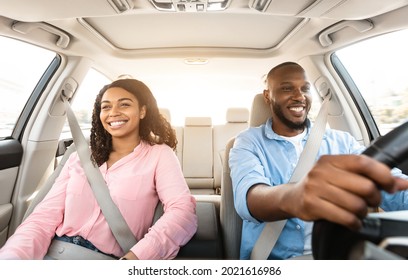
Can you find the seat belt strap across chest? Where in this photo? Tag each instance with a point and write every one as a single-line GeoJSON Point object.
{"type": "Point", "coordinates": [117, 223]}
{"type": "Point", "coordinates": [272, 230]}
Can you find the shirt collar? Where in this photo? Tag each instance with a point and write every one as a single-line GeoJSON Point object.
{"type": "Point", "coordinates": [270, 134]}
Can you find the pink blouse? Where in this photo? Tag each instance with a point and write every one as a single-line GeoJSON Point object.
{"type": "Point", "coordinates": [136, 183]}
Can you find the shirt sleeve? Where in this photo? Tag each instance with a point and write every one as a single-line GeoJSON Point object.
{"type": "Point", "coordinates": [33, 236]}
{"type": "Point", "coordinates": [179, 222]}
{"type": "Point", "coordinates": [246, 171]}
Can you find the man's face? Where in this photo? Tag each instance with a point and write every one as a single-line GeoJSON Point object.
{"type": "Point", "coordinates": [290, 99]}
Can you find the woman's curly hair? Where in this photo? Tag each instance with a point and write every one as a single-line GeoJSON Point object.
{"type": "Point", "coordinates": [154, 128]}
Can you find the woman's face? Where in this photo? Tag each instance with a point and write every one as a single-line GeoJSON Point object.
{"type": "Point", "coordinates": [120, 113]}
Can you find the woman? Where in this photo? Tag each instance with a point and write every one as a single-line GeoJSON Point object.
{"type": "Point", "coordinates": [132, 143]}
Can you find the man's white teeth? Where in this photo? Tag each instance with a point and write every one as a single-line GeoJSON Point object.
{"type": "Point", "coordinates": [116, 123]}
{"type": "Point", "coordinates": [296, 109]}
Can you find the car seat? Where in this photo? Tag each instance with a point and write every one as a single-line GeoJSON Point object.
{"type": "Point", "coordinates": [231, 222]}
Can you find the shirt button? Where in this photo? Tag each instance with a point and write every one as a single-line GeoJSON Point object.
{"type": "Point", "coordinates": [297, 227]}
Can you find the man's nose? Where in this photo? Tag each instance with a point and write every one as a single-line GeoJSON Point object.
{"type": "Point", "coordinates": [299, 95]}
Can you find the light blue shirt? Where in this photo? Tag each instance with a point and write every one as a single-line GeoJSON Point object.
{"type": "Point", "coordinates": [260, 156]}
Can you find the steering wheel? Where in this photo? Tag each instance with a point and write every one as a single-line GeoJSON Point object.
{"type": "Point", "coordinates": [334, 241]}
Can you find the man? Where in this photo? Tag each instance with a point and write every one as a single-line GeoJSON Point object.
{"type": "Point", "coordinates": [339, 188]}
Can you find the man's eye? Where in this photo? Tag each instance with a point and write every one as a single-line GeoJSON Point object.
{"type": "Point", "coordinates": [286, 89]}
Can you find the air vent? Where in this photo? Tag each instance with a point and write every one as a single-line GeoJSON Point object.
{"type": "Point", "coordinates": [190, 5]}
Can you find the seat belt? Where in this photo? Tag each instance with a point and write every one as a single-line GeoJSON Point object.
{"type": "Point", "coordinates": [117, 223]}
{"type": "Point", "coordinates": [42, 192]}
{"type": "Point", "coordinates": [272, 230]}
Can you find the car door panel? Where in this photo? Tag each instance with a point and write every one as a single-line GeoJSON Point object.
{"type": "Point", "coordinates": [11, 153]}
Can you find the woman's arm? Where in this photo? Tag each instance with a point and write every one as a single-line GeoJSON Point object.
{"type": "Point", "coordinates": [32, 238]}
{"type": "Point", "coordinates": [179, 221]}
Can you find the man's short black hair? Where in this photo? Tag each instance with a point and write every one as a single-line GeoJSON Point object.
{"type": "Point", "coordinates": [279, 66]}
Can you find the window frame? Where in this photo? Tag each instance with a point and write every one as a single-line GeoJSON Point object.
{"type": "Point", "coordinates": [33, 99]}
{"type": "Point", "coordinates": [356, 96]}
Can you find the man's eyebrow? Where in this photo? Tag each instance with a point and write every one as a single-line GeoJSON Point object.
{"type": "Point", "coordinates": [291, 83]}
{"type": "Point", "coordinates": [286, 83]}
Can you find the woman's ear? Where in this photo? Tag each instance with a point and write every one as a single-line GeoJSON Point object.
{"type": "Point", "coordinates": [143, 112]}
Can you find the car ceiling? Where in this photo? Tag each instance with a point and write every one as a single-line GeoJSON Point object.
{"type": "Point", "coordinates": [146, 40]}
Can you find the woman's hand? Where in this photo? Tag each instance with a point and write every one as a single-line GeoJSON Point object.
{"type": "Point", "coordinates": [129, 256]}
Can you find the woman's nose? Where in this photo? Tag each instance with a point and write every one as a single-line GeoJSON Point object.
{"type": "Point", "coordinates": [114, 111]}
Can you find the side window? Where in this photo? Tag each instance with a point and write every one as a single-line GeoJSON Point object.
{"type": "Point", "coordinates": [378, 68]}
{"type": "Point", "coordinates": [21, 67]}
{"type": "Point", "coordinates": [84, 100]}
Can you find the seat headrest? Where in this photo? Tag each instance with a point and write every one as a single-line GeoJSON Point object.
{"type": "Point", "coordinates": [237, 115]}
{"type": "Point", "coordinates": [198, 121]}
{"type": "Point", "coordinates": [166, 113]}
{"type": "Point", "coordinates": [260, 111]}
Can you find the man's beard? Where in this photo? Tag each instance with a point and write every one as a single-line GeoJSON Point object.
{"type": "Point", "coordinates": [292, 125]}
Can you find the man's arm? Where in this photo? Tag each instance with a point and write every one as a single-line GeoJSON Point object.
{"type": "Point", "coordinates": [338, 188]}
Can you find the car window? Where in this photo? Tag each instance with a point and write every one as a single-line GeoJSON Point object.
{"type": "Point", "coordinates": [21, 67]}
{"type": "Point", "coordinates": [83, 102]}
{"type": "Point", "coordinates": [378, 68]}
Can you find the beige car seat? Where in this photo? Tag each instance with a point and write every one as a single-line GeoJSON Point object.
{"type": "Point", "coordinates": [231, 223]}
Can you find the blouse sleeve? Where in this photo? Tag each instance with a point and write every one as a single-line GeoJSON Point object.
{"type": "Point", "coordinates": [179, 221]}
{"type": "Point", "coordinates": [33, 237]}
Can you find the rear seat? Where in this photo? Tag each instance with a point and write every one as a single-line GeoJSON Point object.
{"type": "Point", "coordinates": [237, 120]}
{"type": "Point", "coordinates": [201, 147]}
{"type": "Point", "coordinates": [197, 155]}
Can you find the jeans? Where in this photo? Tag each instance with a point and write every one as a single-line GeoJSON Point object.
{"type": "Point", "coordinates": [79, 240]}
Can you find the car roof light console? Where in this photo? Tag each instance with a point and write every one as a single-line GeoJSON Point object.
{"type": "Point", "coordinates": [190, 5]}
